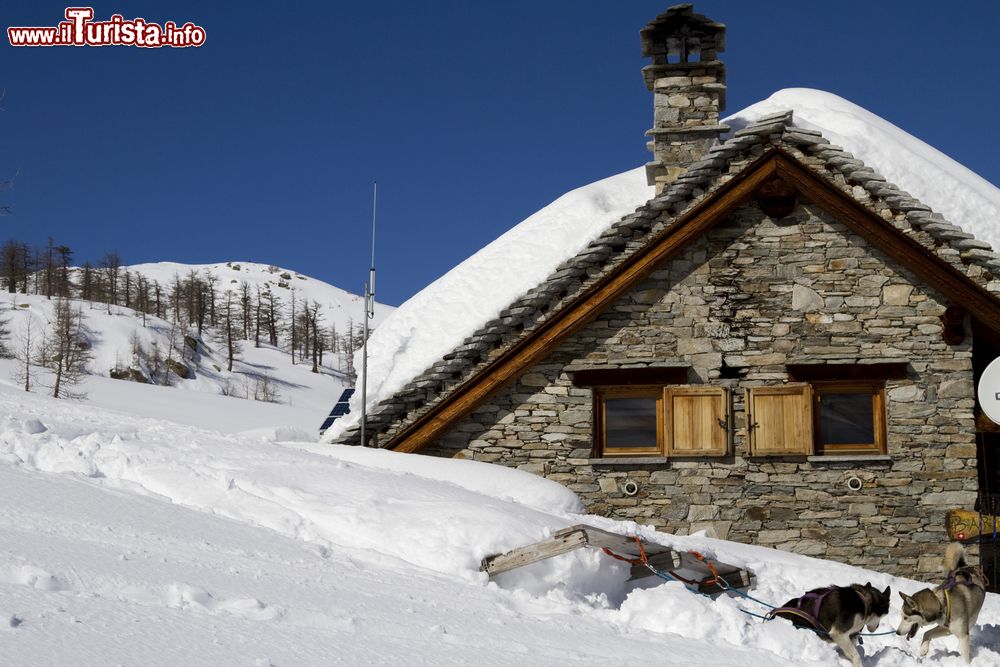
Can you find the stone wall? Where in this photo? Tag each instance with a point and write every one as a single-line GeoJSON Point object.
{"type": "Point", "coordinates": [736, 306]}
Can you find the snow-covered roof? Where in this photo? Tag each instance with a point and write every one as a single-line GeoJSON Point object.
{"type": "Point", "coordinates": [963, 197]}
{"type": "Point", "coordinates": [438, 319]}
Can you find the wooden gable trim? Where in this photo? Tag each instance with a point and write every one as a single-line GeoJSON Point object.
{"type": "Point", "coordinates": [688, 227]}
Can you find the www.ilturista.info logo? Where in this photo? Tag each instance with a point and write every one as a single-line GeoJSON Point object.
{"type": "Point", "coordinates": [79, 29]}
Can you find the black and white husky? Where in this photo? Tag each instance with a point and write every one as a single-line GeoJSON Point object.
{"type": "Point", "coordinates": [954, 605]}
{"type": "Point", "coordinates": [839, 614]}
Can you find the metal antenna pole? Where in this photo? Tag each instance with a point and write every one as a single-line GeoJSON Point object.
{"type": "Point", "coordinates": [369, 314]}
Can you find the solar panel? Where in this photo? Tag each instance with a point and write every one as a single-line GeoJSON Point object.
{"type": "Point", "coordinates": [340, 408]}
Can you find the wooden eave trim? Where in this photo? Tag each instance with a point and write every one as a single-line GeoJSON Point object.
{"type": "Point", "coordinates": [689, 226]}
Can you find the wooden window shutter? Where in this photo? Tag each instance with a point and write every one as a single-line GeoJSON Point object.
{"type": "Point", "coordinates": [696, 421]}
{"type": "Point", "coordinates": [779, 420]}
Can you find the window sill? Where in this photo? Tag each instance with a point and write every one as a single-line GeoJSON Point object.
{"type": "Point", "coordinates": [850, 458]}
{"type": "Point", "coordinates": [629, 461]}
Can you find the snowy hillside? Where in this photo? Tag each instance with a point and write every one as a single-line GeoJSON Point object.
{"type": "Point", "coordinates": [438, 318]}
{"type": "Point", "coordinates": [156, 351]}
{"type": "Point", "coordinates": [338, 306]}
{"type": "Point", "coordinates": [140, 542]}
{"type": "Point", "coordinates": [210, 396]}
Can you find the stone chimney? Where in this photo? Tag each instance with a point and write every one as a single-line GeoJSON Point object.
{"type": "Point", "coordinates": [688, 83]}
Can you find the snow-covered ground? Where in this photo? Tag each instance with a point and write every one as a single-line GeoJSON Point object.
{"type": "Point", "coordinates": [304, 397]}
{"type": "Point", "coordinates": [438, 318]}
{"type": "Point", "coordinates": [136, 541]}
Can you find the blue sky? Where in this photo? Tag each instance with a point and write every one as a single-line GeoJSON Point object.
{"type": "Point", "coordinates": [263, 144]}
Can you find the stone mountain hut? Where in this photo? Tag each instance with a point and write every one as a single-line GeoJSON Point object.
{"type": "Point", "coordinates": [780, 345]}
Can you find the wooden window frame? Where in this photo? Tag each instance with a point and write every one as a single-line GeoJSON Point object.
{"type": "Point", "coordinates": [601, 394]}
{"type": "Point", "coordinates": [876, 389]}
{"type": "Point", "coordinates": [812, 393]}
{"type": "Point", "coordinates": [665, 428]}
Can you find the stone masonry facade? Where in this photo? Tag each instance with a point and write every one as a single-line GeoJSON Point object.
{"type": "Point", "coordinates": [737, 306]}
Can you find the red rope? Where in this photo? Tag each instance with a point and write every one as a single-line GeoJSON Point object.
{"type": "Point", "coordinates": [641, 560]}
{"type": "Point", "coordinates": [715, 579]}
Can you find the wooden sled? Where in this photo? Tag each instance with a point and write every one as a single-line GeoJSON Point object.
{"type": "Point", "coordinates": [686, 566]}
{"type": "Point", "coordinates": [963, 525]}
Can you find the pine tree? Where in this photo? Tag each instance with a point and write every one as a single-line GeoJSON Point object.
{"type": "Point", "coordinates": [246, 308]}
{"type": "Point", "coordinates": [48, 264]}
{"type": "Point", "coordinates": [110, 266]}
{"type": "Point", "coordinates": [272, 316]}
{"type": "Point", "coordinates": [26, 352]}
{"type": "Point", "coordinates": [228, 333]}
{"type": "Point", "coordinates": [155, 364]}
{"type": "Point", "coordinates": [66, 350]}
{"type": "Point", "coordinates": [314, 317]}
{"type": "Point", "coordinates": [87, 283]}
{"type": "Point", "coordinates": [293, 340]}
{"type": "Point", "coordinates": [64, 285]}
{"type": "Point", "coordinates": [11, 263]}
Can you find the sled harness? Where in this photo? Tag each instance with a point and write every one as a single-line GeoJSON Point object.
{"type": "Point", "coordinates": [816, 597]}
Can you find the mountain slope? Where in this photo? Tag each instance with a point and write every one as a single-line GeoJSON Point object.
{"type": "Point", "coordinates": [338, 306]}
{"type": "Point", "coordinates": [123, 342]}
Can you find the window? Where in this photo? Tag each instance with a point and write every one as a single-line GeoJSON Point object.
{"type": "Point", "coordinates": [630, 421]}
{"type": "Point", "coordinates": [661, 421]}
{"type": "Point", "coordinates": [849, 417]}
{"type": "Point", "coordinates": [823, 418]}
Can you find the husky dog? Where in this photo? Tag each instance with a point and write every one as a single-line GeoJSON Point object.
{"type": "Point", "coordinates": [839, 613]}
{"type": "Point", "coordinates": [954, 605]}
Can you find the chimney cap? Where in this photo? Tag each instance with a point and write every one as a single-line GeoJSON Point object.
{"type": "Point", "coordinates": [679, 31]}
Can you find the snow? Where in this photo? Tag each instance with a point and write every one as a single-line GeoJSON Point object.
{"type": "Point", "coordinates": [438, 318]}
{"type": "Point", "coordinates": [304, 398]}
{"type": "Point", "coordinates": [128, 540]}
{"type": "Point", "coordinates": [963, 197]}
